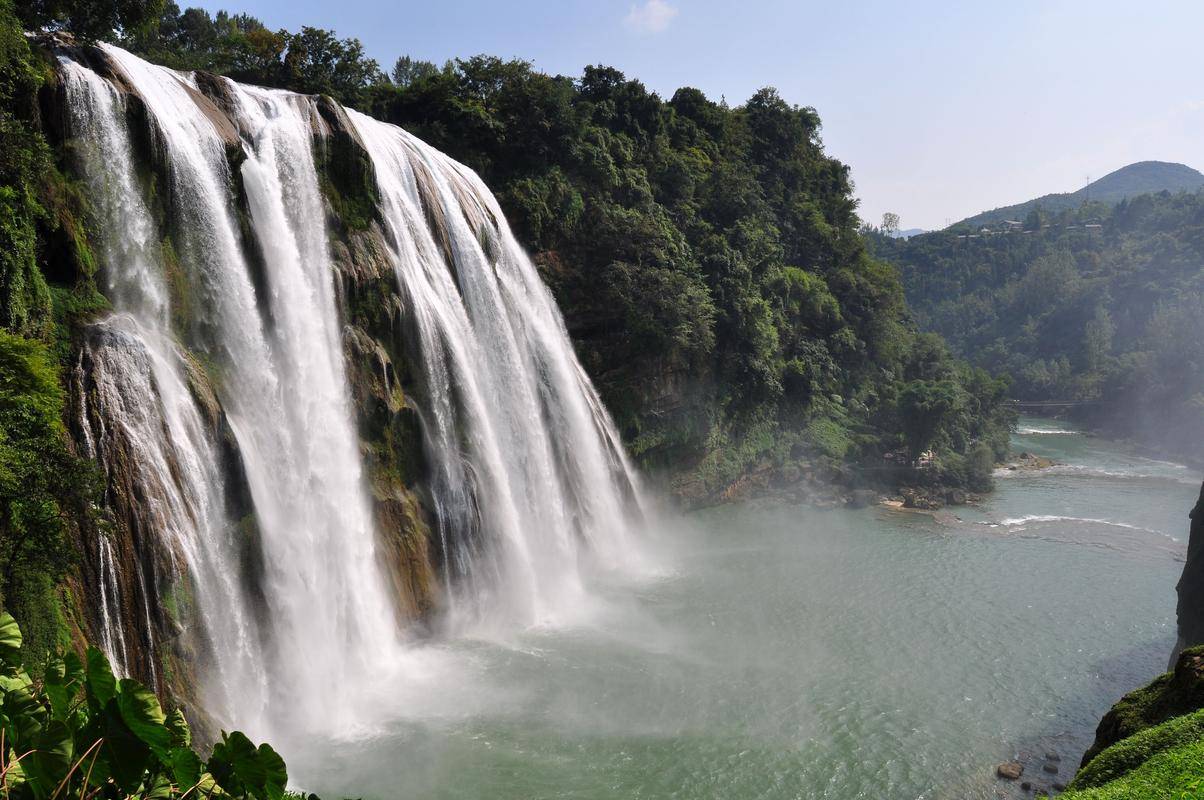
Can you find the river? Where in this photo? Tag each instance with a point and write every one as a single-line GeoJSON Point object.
{"type": "Point", "coordinates": [784, 652]}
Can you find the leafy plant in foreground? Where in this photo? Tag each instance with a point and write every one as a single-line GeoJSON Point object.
{"type": "Point", "coordinates": [79, 732]}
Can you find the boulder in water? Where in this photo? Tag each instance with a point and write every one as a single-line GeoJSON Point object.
{"type": "Point", "coordinates": [1010, 770]}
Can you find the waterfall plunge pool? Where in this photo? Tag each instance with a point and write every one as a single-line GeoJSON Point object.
{"type": "Point", "coordinates": [793, 653]}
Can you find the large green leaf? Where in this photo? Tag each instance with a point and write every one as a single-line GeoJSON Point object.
{"type": "Point", "coordinates": [142, 713]}
{"type": "Point", "coordinates": [102, 686]}
{"type": "Point", "coordinates": [73, 670]}
{"type": "Point", "coordinates": [26, 718]}
{"type": "Point", "coordinates": [127, 756]}
{"type": "Point", "coordinates": [10, 643]}
{"type": "Point", "coordinates": [235, 765]}
{"type": "Point", "coordinates": [15, 777]}
{"type": "Point", "coordinates": [181, 735]}
{"type": "Point", "coordinates": [55, 685]}
{"type": "Point", "coordinates": [275, 772]}
{"type": "Point", "coordinates": [186, 767]}
{"type": "Point", "coordinates": [51, 758]}
{"type": "Point", "coordinates": [159, 788]}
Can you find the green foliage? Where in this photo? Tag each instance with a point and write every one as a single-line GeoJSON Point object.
{"type": "Point", "coordinates": [1111, 315]}
{"type": "Point", "coordinates": [24, 156]}
{"type": "Point", "coordinates": [313, 60]}
{"type": "Point", "coordinates": [1129, 754]}
{"type": "Point", "coordinates": [1176, 773]}
{"type": "Point", "coordinates": [89, 19]}
{"type": "Point", "coordinates": [688, 238]}
{"type": "Point", "coordinates": [41, 484]}
{"type": "Point", "coordinates": [80, 732]}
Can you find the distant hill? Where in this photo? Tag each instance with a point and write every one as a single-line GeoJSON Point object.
{"type": "Point", "coordinates": [907, 233]}
{"type": "Point", "coordinates": [1143, 177]}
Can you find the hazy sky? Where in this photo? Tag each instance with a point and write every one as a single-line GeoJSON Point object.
{"type": "Point", "coordinates": [941, 109]}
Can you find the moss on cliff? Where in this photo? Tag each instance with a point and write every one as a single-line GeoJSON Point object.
{"type": "Point", "coordinates": [1171, 695]}
{"type": "Point", "coordinates": [1150, 745]}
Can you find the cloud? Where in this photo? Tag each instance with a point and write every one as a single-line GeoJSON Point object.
{"type": "Point", "coordinates": [651, 17]}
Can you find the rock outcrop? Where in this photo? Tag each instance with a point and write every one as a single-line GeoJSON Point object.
{"type": "Point", "coordinates": [1190, 610]}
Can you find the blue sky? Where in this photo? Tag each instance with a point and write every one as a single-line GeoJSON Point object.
{"type": "Point", "coordinates": [941, 109]}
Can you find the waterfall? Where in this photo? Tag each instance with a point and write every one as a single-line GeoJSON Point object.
{"type": "Point", "coordinates": [136, 409]}
{"type": "Point", "coordinates": [226, 317]}
{"type": "Point", "coordinates": [528, 467]}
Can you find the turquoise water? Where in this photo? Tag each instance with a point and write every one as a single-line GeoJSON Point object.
{"type": "Point", "coordinates": [784, 652]}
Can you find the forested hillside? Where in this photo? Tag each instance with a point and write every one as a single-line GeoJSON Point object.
{"type": "Point", "coordinates": [1101, 304]}
{"type": "Point", "coordinates": [707, 258]}
{"type": "Point", "coordinates": [1144, 177]}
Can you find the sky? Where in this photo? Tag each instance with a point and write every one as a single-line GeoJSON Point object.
{"type": "Point", "coordinates": [941, 109]}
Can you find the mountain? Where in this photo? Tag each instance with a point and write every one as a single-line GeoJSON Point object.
{"type": "Point", "coordinates": [1143, 177]}
{"type": "Point", "coordinates": [1103, 306]}
{"type": "Point", "coordinates": [907, 233]}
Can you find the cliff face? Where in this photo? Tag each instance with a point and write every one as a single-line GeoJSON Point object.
{"type": "Point", "coordinates": [132, 586]}
{"type": "Point", "coordinates": [1190, 609]}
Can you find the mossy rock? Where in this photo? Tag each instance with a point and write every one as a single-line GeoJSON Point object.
{"type": "Point", "coordinates": [1129, 754]}
{"type": "Point", "coordinates": [1176, 773]}
{"type": "Point", "coordinates": [1171, 695]}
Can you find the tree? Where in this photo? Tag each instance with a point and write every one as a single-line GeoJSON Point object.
{"type": "Point", "coordinates": [317, 62]}
{"type": "Point", "coordinates": [924, 407]}
{"type": "Point", "coordinates": [89, 19]}
{"type": "Point", "coordinates": [407, 71]}
{"type": "Point", "coordinates": [1097, 338]}
{"type": "Point", "coordinates": [890, 223]}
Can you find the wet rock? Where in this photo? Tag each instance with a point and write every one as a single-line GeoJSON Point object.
{"type": "Point", "coordinates": [1027, 786]}
{"type": "Point", "coordinates": [1052, 756]}
{"type": "Point", "coordinates": [1010, 770]}
{"type": "Point", "coordinates": [1052, 769]}
{"type": "Point", "coordinates": [1059, 786]}
{"type": "Point", "coordinates": [1029, 461]}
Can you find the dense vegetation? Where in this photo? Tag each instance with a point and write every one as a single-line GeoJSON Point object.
{"type": "Point", "coordinates": [1102, 304]}
{"type": "Point", "coordinates": [707, 258]}
{"type": "Point", "coordinates": [79, 732]}
{"type": "Point", "coordinates": [45, 281]}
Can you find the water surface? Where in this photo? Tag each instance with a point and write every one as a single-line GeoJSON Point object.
{"type": "Point", "coordinates": [784, 652]}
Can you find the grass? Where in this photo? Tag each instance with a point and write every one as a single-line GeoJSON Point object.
{"type": "Point", "coordinates": [1129, 754]}
{"type": "Point", "coordinates": [1173, 774]}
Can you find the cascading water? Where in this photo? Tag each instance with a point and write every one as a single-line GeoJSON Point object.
{"type": "Point", "coordinates": [135, 389]}
{"type": "Point", "coordinates": [529, 469]}
{"type": "Point", "coordinates": [527, 480]}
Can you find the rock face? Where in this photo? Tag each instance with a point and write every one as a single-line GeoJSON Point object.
{"type": "Point", "coordinates": [1191, 585]}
